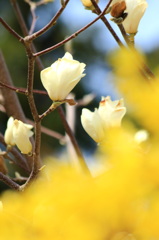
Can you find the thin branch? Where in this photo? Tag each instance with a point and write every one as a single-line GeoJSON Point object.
{"type": "Point", "coordinates": [9, 182]}
{"type": "Point", "coordinates": [25, 29]}
{"type": "Point", "coordinates": [68, 38]}
{"type": "Point", "coordinates": [19, 17]}
{"type": "Point", "coordinates": [17, 90]}
{"type": "Point", "coordinates": [11, 102]}
{"type": "Point", "coordinates": [148, 71]}
{"type": "Point", "coordinates": [36, 154]}
{"type": "Point", "coordinates": [23, 90]}
{"type": "Point", "coordinates": [30, 81]}
{"type": "Point", "coordinates": [34, 19]}
{"type": "Point", "coordinates": [15, 34]}
{"type": "Point", "coordinates": [105, 21]}
{"type": "Point", "coordinates": [50, 109]}
{"type": "Point", "coordinates": [125, 36]}
{"type": "Point", "coordinates": [48, 132]}
{"type": "Point", "coordinates": [145, 70]}
{"type": "Point", "coordinates": [49, 25]}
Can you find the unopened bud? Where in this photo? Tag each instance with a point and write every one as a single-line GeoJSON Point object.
{"type": "Point", "coordinates": [118, 9]}
{"type": "Point", "coordinates": [88, 4]}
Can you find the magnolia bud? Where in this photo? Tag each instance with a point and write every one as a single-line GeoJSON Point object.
{"type": "Point", "coordinates": [18, 133]}
{"type": "Point", "coordinates": [62, 76]}
{"type": "Point", "coordinates": [88, 3]}
{"type": "Point", "coordinates": [118, 9]}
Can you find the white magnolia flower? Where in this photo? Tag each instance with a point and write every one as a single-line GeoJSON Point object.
{"type": "Point", "coordinates": [92, 124]}
{"type": "Point", "coordinates": [62, 76]}
{"type": "Point", "coordinates": [18, 133]}
{"type": "Point", "coordinates": [109, 114]}
{"type": "Point", "coordinates": [135, 9]}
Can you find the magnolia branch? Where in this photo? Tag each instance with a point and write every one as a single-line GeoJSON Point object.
{"type": "Point", "coordinates": [49, 25]}
{"type": "Point", "coordinates": [30, 81]}
{"type": "Point", "coordinates": [74, 35]}
{"type": "Point", "coordinates": [15, 34]}
{"type": "Point", "coordinates": [9, 182]}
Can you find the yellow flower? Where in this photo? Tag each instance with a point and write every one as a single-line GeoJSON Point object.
{"type": "Point", "coordinates": [18, 133]}
{"type": "Point", "coordinates": [109, 114]}
{"type": "Point", "coordinates": [140, 93]}
{"type": "Point", "coordinates": [62, 76]}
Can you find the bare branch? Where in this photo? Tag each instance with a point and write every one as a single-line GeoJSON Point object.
{"type": "Point", "coordinates": [11, 102]}
{"type": "Point", "coordinates": [10, 30]}
{"type": "Point", "coordinates": [49, 25]}
{"type": "Point", "coordinates": [105, 21]}
{"type": "Point", "coordinates": [68, 38]}
{"type": "Point", "coordinates": [9, 182]}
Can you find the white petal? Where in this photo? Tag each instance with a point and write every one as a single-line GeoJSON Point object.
{"type": "Point", "coordinates": [135, 10]}
{"type": "Point", "coordinates": [62, 76]}
{"type": "Point", "coordinates": [8, 136]}
{"type": "Point", "coordinates": [21, 136]}
{"type": "Point", "coordinates": [91, 122]}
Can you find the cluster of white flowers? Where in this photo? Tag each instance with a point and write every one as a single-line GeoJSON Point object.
{"type": "Point", "coordinates": [58, 80]}
{"type": "Point", "coordinates": [18, 133]}
{"type": "Point", "coordinates": [65, 73]}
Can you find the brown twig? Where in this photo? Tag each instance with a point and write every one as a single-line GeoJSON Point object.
{"type": "Point", "coordinates": [19, 17]}
{"type": "Point", "coordinates": [24, 29]}
{"type": "Point", "coordinates": [43, 129]}
{"type": "Point", "coordinates": [34, 19]}
{"type": "Point", "coordinates": [48, 132]}
{"type": "Point", "coordinates": [9, 182]}
{"type": "Point", "coordinates": [30, 82]}
{"type": "Point", "coordinates": [15, 34]}
{"type": "Point", "coordinates": [74, 35]}
{"type": "Point", "coordinates": [105, 21]}
{"type": "Point", "coordinates": [48, 26]}
{"type": "Point", "coordinates": [11, 102]}
{"type": "Point", "coordinates": [50, 109]}
{"type": "Point", "coordinates": [22, 90]}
